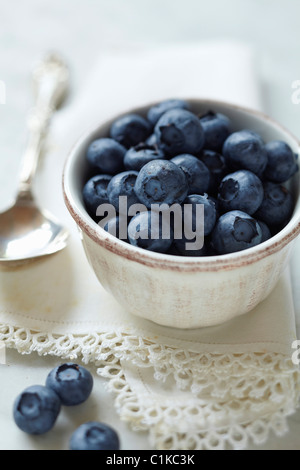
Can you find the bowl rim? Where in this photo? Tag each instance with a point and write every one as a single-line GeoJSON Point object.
{"type": "Point", "coordinates": [168, 261]}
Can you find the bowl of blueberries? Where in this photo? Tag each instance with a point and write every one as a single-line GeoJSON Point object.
{"type": "Point", "coordinates": [188, 209]}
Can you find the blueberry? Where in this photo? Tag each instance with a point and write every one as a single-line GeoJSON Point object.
{"type": "Point", "coordinates": [106, 156]}
{"type": "Point", "coordinates": [217, 205]}
{"type": "Point", "coordinates": [242, 190]}
{"type": "Point", "coordinates": [122, 185]}
{"type": "Point", "coordinates": [215, 162]}
{"type": "Point", "coordinates": [196, 172]}
{"type": "Point", "coordinates": [210, 213]}
{"type": "Point", "coordinates": [136, 157]}
{"type": "Point", "coordinates": [216, 128]}
{"type": "Point", "coordinates": [36, 409]}
{"type": "Point", "coordinates": [266, 232]}
{"type": "Point", "coordinates": [161, 181]}
{"type": "Point", "coordinates": [156, 111]}
{"type": "Point", "coordinates": [146, 230]}
{"type": "Point", "coordinates": [179, 131]}
{"type": "Point", "coordinates": [130, 130]}
{"type": "Point", "coordinates": [71, 382]}
{"type": "Point", "coordinates": [180, 248]}
{"type": "Point", "coordinates": [173, 250]}
{"type": "Point", "coordinates": [235, 231]}
{"type": "Point", "coordinates": [151, 140]}
{"type": "Point", "coordinates": [281, 162]}
{"type": "Point", "coordinates": [95, 193]}
{"type": "Point", "coordinates": [245, 150]}
{"type": "Point", "coordinates": [94, 436]}
{"type": "Point", "coordinates": [182, 233]}
{"type": "Point", "coordinates": [277, 205]}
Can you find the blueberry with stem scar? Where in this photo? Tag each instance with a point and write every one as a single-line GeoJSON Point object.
{"type": "Point", "coordinates": [71, 382]}
{"type": "Point", "coordinates": [36, 409]}
{"type": "Point", "coordinates": [241, 190]}
{"type": "Point", "coordinates": [179, 131]}
{"type": "Point", "coordinates": [161, 181]}
{"type": "Point", "coordinates": [235, 231]}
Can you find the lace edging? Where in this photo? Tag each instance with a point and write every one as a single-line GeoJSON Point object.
{"type": "Point", "coordinates": [220, 422]}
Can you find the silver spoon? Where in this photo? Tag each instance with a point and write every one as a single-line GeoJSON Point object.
{"type": "Point", "coordinates": [26, 231]}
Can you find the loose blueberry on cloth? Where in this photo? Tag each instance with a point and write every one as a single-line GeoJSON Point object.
{"type": "Point", "coordinates": [94, 436]}
{"type": "Point", "coordinates": [71, 382]}
{"type": "Point", "coordinates": [36, 409]}
{"type": "Point", "coordinates": [214, 388]}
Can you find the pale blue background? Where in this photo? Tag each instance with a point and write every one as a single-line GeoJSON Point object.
{"type": "Point", "coordinates": [80, 30]}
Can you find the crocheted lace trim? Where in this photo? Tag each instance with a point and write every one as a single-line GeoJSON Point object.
{"type": "Point", "coordinates": [232, 398]}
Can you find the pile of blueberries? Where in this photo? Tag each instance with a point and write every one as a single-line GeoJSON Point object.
{"type": "Point", "coordinates": [36, 409]}
{"type": "Point", "coordinates": [175, 156]}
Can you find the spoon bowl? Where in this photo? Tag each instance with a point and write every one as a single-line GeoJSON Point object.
{"type": "Point", "coordinates": [27, 232]}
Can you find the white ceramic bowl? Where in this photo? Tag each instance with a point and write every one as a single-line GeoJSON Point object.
{"type": "Point", "coordinates": [183, 292]}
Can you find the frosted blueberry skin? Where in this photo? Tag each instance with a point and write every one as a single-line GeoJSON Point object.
{"type": "Point", "coordinates": [245, 150]}
{"type": "Point", "coordinates": [282, 164]}
{"type": "Point", "coordinates": [71, 382]}
{"type": "Point", "coordinates": [156, 111]}
{"type": "Point", "coordinates": [241, 190]}
{"type": "Point", "coordinates": [216, 128]}
{"type": "Point", "coordinates": [149, 226]}
{"type": "Point", "coordinates": [151, 140]}
{"type": "Point", "coordinates": [130, 130]}
{"type": "Point", "coordinates": [179, 131]}
{"type": "Point", "coordinates": [36, 409]}
{"type": "Point", "coordinates": [196, 172]}
{"type": "Point", "coordinates": [210, 212]}
{"type": "Point", "coordinates": [136, 157]}
{"type": "Point", "coordinates": [235, 231]}
{"type": "Point", "coordinates": [122, 185]}
{"type": "Point", "coordinates": [95, 193]}
{"type": "Point", "coordinates": [215, 162]}
{"type": "Point", "coordinates": [106, 156]}
{"type": "Point", "coordinates": [161, 181]}
{"type": "Point", "coordinates": [94, 436]}
{"type": "Point", "coordinates": [181, 245]}
{"type": "Point", "coordinates": [277, 205]}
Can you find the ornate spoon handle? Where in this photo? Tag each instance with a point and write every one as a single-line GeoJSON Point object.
{"type": "Point", "coordinates": [51, 80]}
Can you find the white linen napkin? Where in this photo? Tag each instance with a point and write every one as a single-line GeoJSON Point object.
{"type": "Point", "coordinates": [212, 388]}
